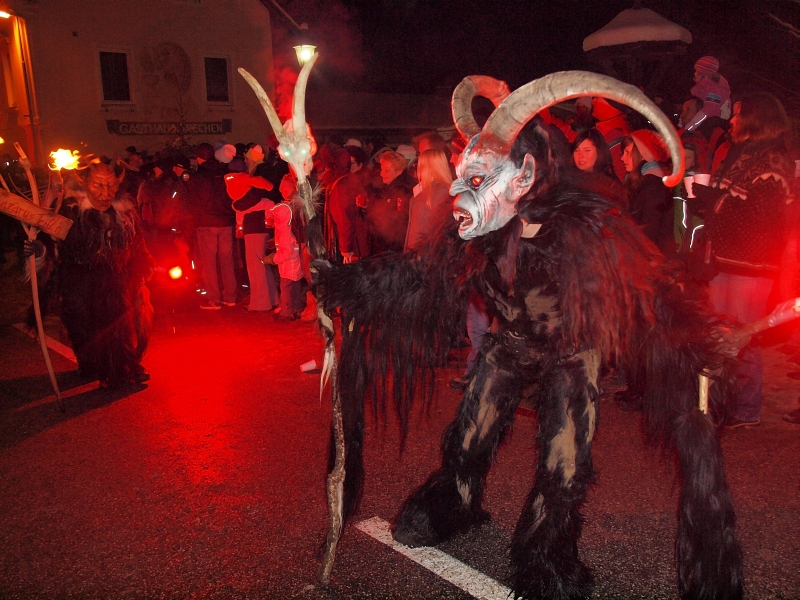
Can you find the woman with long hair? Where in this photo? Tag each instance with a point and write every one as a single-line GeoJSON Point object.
{"type": "Point", "coordinates": [595, 166]}
{"type": "Point", "coordinates": [649, 200]}
{"type": "Point", "coordinates": [590, 152]}
{"type": "Point", "coordinates": [433, 171]}
{"type": "Point", "coordinates": [745, 220]}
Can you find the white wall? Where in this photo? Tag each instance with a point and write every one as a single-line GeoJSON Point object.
{"type": "Point", "coordinates": [66, 37]}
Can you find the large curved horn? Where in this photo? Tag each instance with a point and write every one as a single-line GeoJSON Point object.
{"type": "Point", "coordinates": [299, 106]}
{"type": "Point", "coordinates": [461, 104]}
{"type": "Point", "coordinates": [277, 126]}
{"type": "Point", "coordinates": [521, 106]}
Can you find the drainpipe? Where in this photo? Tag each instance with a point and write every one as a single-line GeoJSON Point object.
{"type": "Point", "coordinates": [33, 113]}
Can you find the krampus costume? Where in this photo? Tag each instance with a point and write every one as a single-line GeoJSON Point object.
{"type": "Point", "coordinates": [572, 285]}
{"type": "Point", "coordinates": [99, 274]}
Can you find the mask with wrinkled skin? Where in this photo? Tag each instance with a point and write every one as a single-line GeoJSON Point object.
{"type": "Point", "coordinates": [488, 189]}
{"type": "Point", "coordinates": [101, 186]}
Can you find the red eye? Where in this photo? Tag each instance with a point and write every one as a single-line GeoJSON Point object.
{"type": "Point", "coordinates": [476, 181]}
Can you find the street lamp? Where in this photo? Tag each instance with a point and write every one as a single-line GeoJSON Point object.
{"type": "Point", "coordinates": [303, 50]}
{"type": "Point", "coordinates": [304, 53]}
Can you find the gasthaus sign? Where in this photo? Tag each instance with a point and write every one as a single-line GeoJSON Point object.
{"type": "Point", "coordinates": [168, 127]}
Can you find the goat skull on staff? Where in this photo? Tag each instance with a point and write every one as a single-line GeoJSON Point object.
{"type": "Point", "coordinates": [297, 146]}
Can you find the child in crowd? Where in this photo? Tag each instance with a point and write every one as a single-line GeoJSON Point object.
{"type": "Point", "coordinates": [713, 89]}
{"type": "Point", "coordinates": [287, 257]}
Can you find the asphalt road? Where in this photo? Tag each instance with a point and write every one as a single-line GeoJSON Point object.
{"type": "Point", "coordinates": [209, 481]}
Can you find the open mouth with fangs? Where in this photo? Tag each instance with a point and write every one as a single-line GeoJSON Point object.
{"type": "Point", "coordinates": [463, 217]}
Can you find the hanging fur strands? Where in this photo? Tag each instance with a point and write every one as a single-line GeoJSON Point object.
{"type": "Point", "coordinates": [585, 289]}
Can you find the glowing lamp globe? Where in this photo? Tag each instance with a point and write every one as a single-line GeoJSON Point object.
{"type": "Point", "coordinates": [304, 53]}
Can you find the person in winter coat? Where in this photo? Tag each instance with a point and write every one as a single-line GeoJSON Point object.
{"type": "Point", "coordinates": [593, 160]}
{"type": "Point", "coordinates": [649, 201]}
{"type": "Point", "coordinates": [387, 214]}
{"type": "Point", "coordinates": [249, 195]}
{"type": "Point", "coordinates": [433, 196]}
{"type": "Point", "coordinates": [214, 219]}
{"type": "Point", "coordinates": [745, 221]}
{"type": "Point", "coordinates": [712, 88]}
{"type": "Point", "coordinates": [348, 227]}
{"type": "Point", "coordinates": [287, 257]}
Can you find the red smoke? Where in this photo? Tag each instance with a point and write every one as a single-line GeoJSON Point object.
{"type": "Point", "coordinates": [285, 79]}
{"type": "Point", "coordinates": [332, 29]}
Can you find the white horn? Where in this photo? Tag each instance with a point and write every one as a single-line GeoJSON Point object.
{"type": "Point", "coordinates": [277, 126]}
{"type": "Point", "coordinates": [299, 107]}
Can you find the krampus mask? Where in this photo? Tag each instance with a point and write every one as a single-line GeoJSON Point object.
{"type": "Point", "coordinates": [101, 185]}
{"type": "Point", "coordinates": [496, 170]}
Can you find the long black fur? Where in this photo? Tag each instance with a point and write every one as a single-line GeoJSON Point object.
{"type": "Point", "coordinates": [613, 295]}
{"type": "Point", "coordinates": [98, 275]}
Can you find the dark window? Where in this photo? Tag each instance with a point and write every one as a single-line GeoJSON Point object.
{"type": "Point", "coordinates": [217, 80]}
{"type": "Point", "coordinates": [114, 73]}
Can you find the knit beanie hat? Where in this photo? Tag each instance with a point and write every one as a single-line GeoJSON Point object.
{"type": "Point", "coordinates": [650, 145]}
{"type": "Point", "coordinates": [226, 153]}
{"type": "Point", "coordinates": [407, 151]}
{"type": "Point", "coordinates": [204, 151]}
{"type": "Point", "coordinates": [708, 65]}
{"type": "Point", "coordinates": [256, 154]}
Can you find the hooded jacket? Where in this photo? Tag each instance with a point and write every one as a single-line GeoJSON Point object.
{"type": "Point", "coordinates": [208, 199]}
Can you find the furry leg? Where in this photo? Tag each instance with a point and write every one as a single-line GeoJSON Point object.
{"type": "Point", "coordinates": [450, 500]}
{"type": "Point", "coordinates": [708, 554]}
{"type": "Point", "coordinates": [544, 549]}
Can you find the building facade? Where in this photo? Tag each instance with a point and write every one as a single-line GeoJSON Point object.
{"type": "Point", "coordinates": [101, 75]}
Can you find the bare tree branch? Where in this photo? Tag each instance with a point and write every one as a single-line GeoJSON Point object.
{"type": "Point", "coordinates": [787, 26]}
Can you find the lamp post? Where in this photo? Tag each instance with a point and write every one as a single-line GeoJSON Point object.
{"type": "Point", "coordinates": [304, 53]}
{"type": "Point", "coordinates": [303, 49]}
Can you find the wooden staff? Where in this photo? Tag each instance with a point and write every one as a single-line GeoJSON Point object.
{"type": "Point", "coordinates": [296, 146]}
{"type": "Point", "coordinates": [32, 233]}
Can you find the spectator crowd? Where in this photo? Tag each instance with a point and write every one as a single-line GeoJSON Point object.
{"type": "Point", "coordinates": [730, 229]}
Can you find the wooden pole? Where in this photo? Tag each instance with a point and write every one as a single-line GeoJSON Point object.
{"type": "Point", "coordinates": [32, 233]}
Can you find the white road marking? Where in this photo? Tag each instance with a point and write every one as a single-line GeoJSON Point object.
{"type": "Point", "coordinates": [475, 583]}
{"type": "Point", "coordinates": [54, 345]}
{"type": "Point", "coordinates": [82, 389]}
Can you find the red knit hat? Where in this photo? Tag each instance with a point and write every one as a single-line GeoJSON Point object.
{"type": "Point", "coordinates": [650, 145]}
{"type": "Point", "coordinates": [708, 65]}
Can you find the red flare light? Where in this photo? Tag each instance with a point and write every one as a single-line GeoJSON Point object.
{"type": "Point", "coordinates": [176, 272]}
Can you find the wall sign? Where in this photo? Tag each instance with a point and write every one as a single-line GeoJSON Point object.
{"type": "Point", "coordinates": [168, 127]}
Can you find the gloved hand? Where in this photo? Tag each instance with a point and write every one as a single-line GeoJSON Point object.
{"type": "Point", "coordinates": [318, 266]}
{"type": "Point", "coordinates": [705, 199]}
{"type": "Point", "coordinates": [729, 341]}
{"type": "Point", "coordinates": [33, 248]}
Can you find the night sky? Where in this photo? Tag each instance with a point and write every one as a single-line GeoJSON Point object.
{"type": "Point", "coordinates": [427, 46]}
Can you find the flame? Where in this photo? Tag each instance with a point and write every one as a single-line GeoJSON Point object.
{"type": "Point", "coordinates": [176, 272]}
{"type": "Point", "coordinates": [64, 159]}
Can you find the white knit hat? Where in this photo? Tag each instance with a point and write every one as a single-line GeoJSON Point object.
{"type": "Point", "coordinates": [407, 151]}
{"type": "Point", "coordinates": [226, 153]}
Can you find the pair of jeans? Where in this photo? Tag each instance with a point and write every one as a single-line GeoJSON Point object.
{"type": "Point", "coordinates": [217, 243]}
{"type": "Point", "coordinates": [291, 297]}
{"type": "Point", "coordinates": [263, 290]}
{"type": "Point", "coordinates": [744, 299]}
